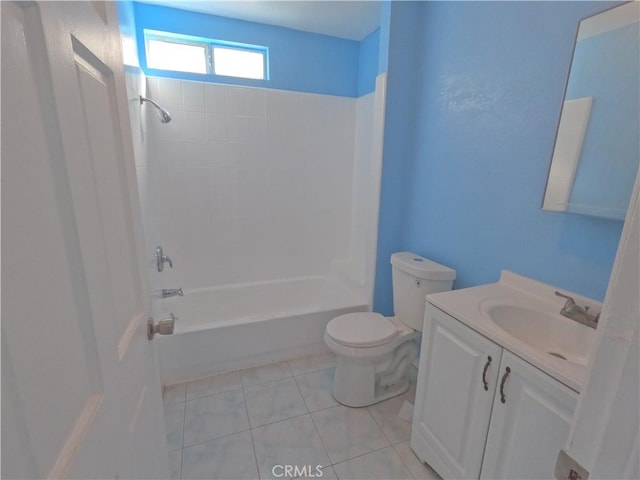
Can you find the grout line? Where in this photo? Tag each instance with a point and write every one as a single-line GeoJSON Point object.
{"type": "Point", "coordinates": [373, 451]}
{"type": "Point", "coordinates": [362, 455]}
{"type": "Point", "coordinates": [313, 423]}
{"type": "Point", "coordinates": [212, 394]}
{"type": "Point", "coordinates": [402, 459]}
{"type": "Point", "coordinates": [366, 453]}
{"type": "Point", "coordinates": [278, 421]}
{"type": "Point", "coordinates": [265, 381]}
{"type": "Point", "coordinates": [253, 443]}
{"type": "Point", "coordinates": [216, 438]}
{"type": "Point", "coordinates": [184, 420]}
{"type": "Point", "coordinates": [302, 396]}
{"type": "Point", "coordinates": [313, 371]}
{"type": "Point", "coordinates": [321, 442]}
{"type": "Point", "coordinates": [379, 425]}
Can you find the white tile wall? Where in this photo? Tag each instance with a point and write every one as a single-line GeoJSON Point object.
{"type": "Point", "coordinates": [359, 266]}
{"type": "Point", "coordinates": [364, 194]}
{"type": "Point", "coordinates": [249, 184]}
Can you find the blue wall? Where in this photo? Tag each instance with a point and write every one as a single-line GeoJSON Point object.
{"type": "Point", "coordinates": [606, 67]}
{"type": "Point", "coordinates": [400, 117]}
{"type": "Point", "coordinates": [465, 167]}
{"type": "Point", "coordinates": [368, 63]}
{"type": "Point", "coordinates": [385, 26]}
{"type": "Point", "coordinates": [127, 25]}
{"type": "Point", "coordinates": [299, 61]}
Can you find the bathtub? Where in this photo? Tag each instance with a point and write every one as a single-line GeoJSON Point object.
{"type": "Point", "coordinates": [238, 326]}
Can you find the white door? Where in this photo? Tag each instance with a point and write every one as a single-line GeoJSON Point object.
{"type": "Point", "coordinates": [456, 383]}
{"type": "Point", "coordinates": [530, 427]}
{"type": "Point", "coordinates": [80, 388]}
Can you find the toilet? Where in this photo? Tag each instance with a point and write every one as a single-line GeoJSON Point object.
{"type": "Point", "coordinates": [373, 352]}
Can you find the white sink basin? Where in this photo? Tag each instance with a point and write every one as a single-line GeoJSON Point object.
{"type": "Point", "coordinates": [553, 334]}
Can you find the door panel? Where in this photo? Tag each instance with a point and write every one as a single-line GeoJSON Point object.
{"type": "Point", "coordinates": [451, 417]}
{"type": "Point", "coordinates": [79, 380]}
{"type": "Point", "coordinates": [531, 426]}
{"type": "Point", "coordinates": [97, 95]}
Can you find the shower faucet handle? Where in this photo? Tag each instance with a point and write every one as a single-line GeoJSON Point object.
{"type": "Point", "coordinates": [161, 259]}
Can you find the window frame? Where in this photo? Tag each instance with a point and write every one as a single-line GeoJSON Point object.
{"type": "Point", "coordinates": [209, 44]}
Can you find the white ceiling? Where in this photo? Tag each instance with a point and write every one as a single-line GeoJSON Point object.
{"type": "Point", "coordinates": [353, 20]}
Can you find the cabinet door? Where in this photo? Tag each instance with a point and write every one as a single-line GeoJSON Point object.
{"type": "Point", "coordinates": [530, 427]}
{"type": "Point", "coordinates": [451, 415]}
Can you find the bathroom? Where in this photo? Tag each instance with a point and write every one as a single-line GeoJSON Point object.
{"type": "Point", "coordinates": [278, 205]}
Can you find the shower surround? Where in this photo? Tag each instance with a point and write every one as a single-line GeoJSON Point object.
{"type": "Point", "coordinates": [251, 184]}
{"type": "Point", "coordinates": [257, 190]}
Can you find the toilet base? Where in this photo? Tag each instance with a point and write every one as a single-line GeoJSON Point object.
{"type": "Point", "coordinates": [355, 385]}
{"type": "Point", "coordinates": [391, 391]}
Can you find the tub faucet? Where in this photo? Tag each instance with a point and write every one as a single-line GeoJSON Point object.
{"type": "Point", "coordinates": [161, 259]}
{"type": "Point", "coordinates": [576, 312]}
{"type": "Point", "coordinates": [170, 292]}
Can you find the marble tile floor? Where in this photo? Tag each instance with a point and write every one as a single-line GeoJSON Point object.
{"type": "Point", "coordinates": [240, 425]}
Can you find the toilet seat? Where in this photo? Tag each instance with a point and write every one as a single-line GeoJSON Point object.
{"type": "Point", "coordinates": [362, 329]}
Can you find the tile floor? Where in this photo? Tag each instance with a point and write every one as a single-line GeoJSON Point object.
{"type": "Point", "coordinates": [239, 425]}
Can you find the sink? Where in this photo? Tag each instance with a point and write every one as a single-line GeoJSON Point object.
{"type": "Point", "coordinates": [522, 316]}
{"type": "Point", "coordinates": [549, 333]}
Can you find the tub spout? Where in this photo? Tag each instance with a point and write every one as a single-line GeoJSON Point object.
{"type": "Point", "coordinates": [170, 292]}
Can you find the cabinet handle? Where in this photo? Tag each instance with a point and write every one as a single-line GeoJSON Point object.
{"type": "Point", "coordinates": [507, 371]}
{"type": "Point", "coordinates": [484, 373]}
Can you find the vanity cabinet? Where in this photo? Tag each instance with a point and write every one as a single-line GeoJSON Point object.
{"type": "Point", "coordinates": [462, 427]}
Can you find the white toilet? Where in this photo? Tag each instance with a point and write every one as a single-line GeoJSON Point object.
{"type": "Point", "coordinates": [373, 352]}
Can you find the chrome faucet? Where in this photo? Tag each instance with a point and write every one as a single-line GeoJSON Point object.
{"type": "Point", "coordinates": [170, 292]}
{"type": "Point", "coordinates": [161, 259]}
{"type": "Point", "coordinates": [576, 312]}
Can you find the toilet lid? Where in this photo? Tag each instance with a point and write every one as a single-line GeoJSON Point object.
{"type": "Point", "coordinates": [363, 329]}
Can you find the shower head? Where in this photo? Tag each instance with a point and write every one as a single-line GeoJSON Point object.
{"type": "Point", "coordinates": [162, 113]}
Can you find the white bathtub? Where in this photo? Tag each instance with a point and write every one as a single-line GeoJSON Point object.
{"type": "Point", "coordinates": [237, 326]}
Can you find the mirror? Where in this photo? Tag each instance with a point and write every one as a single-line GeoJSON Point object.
{"type": "Point", "coordinates": [597, 147]}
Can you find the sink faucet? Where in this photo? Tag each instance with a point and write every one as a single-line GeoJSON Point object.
{"type": "Point", "coordinates": [576, 312]}
{"type": "Point", "coordinates": [170, 292]}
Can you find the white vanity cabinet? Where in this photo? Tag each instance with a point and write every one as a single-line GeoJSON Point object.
{"type": "Point", "coordinates": [461, 426]}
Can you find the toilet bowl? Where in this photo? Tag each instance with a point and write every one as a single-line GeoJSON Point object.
{"type": "Point", "coordinates": [373, 352]}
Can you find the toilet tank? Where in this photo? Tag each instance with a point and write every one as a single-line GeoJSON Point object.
{"type": "Point", "coordinates": [413, 278]}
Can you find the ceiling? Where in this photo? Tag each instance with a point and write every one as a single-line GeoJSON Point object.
{"type": "Point", "coordinates": [352, 20]}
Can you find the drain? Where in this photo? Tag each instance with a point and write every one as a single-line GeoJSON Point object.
{"type": "Point", "coordinates": [556, 354]}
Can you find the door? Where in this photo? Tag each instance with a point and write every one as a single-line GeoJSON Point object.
{"type": "Point", "coordinates": [456, 382]}
{"type": "Point", "coordinates": [80, 388]}
{"type": "Point", "coordinates": [531, 426]}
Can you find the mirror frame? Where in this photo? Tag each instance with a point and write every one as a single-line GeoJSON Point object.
{"type": "Point", "coordinates": [564, 96]}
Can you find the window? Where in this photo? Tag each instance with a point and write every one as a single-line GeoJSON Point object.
{"type": "Point", "coordinates": [179, 57]}
{"type": "Point", "coordinates": [234, 62]}
{"type": "Point", "coordinates": [181, 53]}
